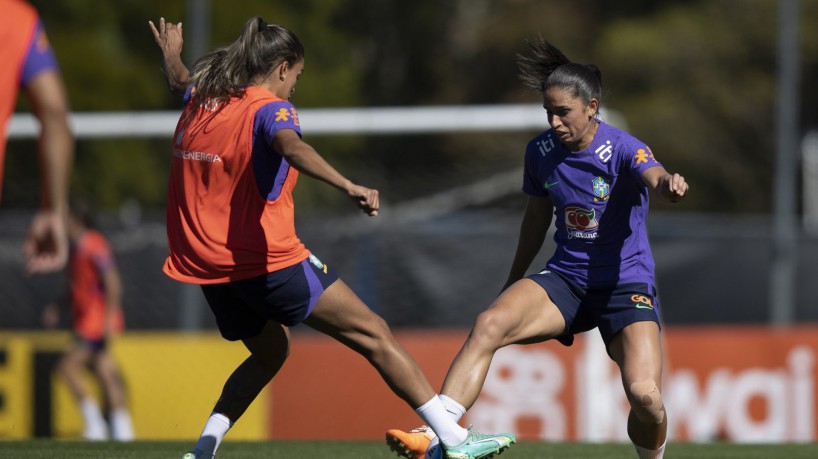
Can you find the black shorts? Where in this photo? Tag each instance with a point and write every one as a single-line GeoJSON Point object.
{"type": "Point", "coordinates": [96, 345]}
{"type": "Point", "coordinates": [287, 296]}
{"type": "Point", "coordinates": [610, 309]}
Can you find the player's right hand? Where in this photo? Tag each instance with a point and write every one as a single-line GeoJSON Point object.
{"type": "Point", "coordinates": [168, 36]}
{"type": "Point", "coordinates": [51, 316]}
{"type": "Point", "coordinates": [46, 245]}
{"type": "Point", "coordinates": [366, 198]}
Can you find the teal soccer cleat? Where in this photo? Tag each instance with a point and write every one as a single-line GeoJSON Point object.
{"type": "Point", "coordinates": [478, 446]}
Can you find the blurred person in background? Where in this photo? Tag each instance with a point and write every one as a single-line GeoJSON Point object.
{"type": "Point", "coordinates": [29, 63]}
{"type": "Point", "coordinates": [237, 153]}
{"type": "Point", "coordinates": [595, 180]}
{"type": "Point", "coordinates": [94, 299]}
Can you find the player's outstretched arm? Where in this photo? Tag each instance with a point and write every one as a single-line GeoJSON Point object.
{"type": "Point", "coordinates": [169, 39]}
{"type": "Point", "coordinates": [305, 159]}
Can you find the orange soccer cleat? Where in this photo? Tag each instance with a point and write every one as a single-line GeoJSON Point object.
{"type": "Point", "coordinates": [412, 444]}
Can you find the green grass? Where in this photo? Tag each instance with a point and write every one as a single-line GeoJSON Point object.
{"type": "Point", "coordinates": [376, 450]}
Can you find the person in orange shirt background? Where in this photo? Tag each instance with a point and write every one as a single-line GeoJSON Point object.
{"type": "Point", "coordinates": [29, 64]}
{"type": "Point", "coordinates": [94, 297]}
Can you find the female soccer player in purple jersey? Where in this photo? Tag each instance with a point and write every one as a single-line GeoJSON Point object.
{"type": "Point", "coordinates": [593, 181]}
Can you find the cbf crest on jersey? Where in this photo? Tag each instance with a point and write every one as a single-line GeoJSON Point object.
{"type": "Point", "coordinates": [601, 189]}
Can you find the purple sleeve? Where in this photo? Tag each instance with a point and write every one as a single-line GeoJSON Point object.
{"type": "Point", "coordinates": [189, 93]}
{"type": "Point", "coordinates": [276, 116]}
{"type": "Point", "coordinates": [638, 157]}
{"type": "Point", "coordinates": [39, 58]}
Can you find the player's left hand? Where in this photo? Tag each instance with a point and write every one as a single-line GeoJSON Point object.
{"type": "Point", "coordinates": [46, 244]}
{"type": "Point", "coordinates": [366, 198]}
{"type": "Point", "coordinates": [675, 187]}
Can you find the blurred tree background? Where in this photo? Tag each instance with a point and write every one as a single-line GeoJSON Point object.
{"type": "Point", "coordinates": [694, 79]}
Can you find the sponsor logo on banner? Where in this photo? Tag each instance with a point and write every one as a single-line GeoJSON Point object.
{"type": "Point", "coordinates": [731, 394]}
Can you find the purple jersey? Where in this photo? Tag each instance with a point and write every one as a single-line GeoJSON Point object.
{"type": "Point", "coordinates": [600, 205]}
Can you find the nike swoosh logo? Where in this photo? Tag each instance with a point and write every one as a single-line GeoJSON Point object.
{"type": "Point", "coordinates": [642, 306]}
{"type": "Point", "coordinates": [547, 185]}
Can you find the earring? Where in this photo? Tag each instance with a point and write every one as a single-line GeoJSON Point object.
{"type": "Point", "coordinates": [282, 77]}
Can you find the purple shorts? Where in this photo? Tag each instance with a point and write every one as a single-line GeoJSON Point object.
{"type": "Point", "coordinates": [610, 309]}
{"type": "Point", "coordinates": [287, 296]}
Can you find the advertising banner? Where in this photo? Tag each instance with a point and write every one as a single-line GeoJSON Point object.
{"type": "Point", "coordinates": [740, 384]}
{"type": "Point", "coordinates": [737, 384]}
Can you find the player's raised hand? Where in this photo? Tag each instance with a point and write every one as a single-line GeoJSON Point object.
{"type": "Point", "coordinates": [168, 37]}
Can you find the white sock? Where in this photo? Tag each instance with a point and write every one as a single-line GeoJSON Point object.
{"type": "Point", "coordinates": [455, 410]}
{"type": "Point", "coordinates": [440, 420]}
{"type": "Point", "coordinates": [212, 435]}
{"type": "Point", "coordinates": [121, 425]}
{"type": "Point", "coordinates": [95, 426]}
{"type": "Point", "coordinates": [645, 453]}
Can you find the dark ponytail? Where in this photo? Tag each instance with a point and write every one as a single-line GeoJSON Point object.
{"type": "Point", "coordinates": [548, 67]}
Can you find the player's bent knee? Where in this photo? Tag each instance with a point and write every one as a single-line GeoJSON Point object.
{"type": "Point", "coordinates": [489, 329]}
{"type": "Point", "coordinates": [646, 401]}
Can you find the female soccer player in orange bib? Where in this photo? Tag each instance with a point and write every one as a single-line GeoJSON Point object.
{"type": "Point", "coordinates": [237, 154]}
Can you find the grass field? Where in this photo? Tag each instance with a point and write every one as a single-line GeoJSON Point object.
{"type": "Point", "coordinates": [376, 450]}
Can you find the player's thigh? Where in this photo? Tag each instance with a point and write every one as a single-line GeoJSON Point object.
{"type": "Point", "coordinates": [341, 314]}
{"type": "Point", "coordinates": [637, 350]}
{"type": "Point", "coordinates": [78, 355]}
{"type": "Point", "coordinates": [523, 313]}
